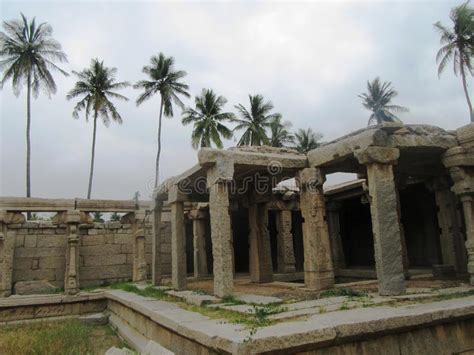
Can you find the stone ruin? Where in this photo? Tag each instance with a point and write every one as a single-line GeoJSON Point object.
{"type": "Point", "coordinates": [264, 211]}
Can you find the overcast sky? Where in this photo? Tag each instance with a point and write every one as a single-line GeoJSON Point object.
{"type": "Point", "coordinates": [310, 59]}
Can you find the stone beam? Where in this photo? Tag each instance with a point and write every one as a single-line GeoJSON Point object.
{"type": "Point", "coordinates": [385, 218]}
{"type": "Point", "coordinates": [208, 156]}
{"type": "Point", "coordinates": [318, 265]}
{"type": "Point", "coordinates": [346, 146]}
{"type": "Point", "coordinates": [219, 176]}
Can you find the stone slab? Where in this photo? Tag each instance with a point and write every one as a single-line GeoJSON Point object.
{"type": "Point", "coordinates": [95, 319]}
{"type": "Point", "coordinates": [193, 297]}
{"type": "Point", "coordinates": [33, 287]}
{"type": "Point", "coordinates": [257, 299]}
{"type": "Point", "coordinates": [153, 348]}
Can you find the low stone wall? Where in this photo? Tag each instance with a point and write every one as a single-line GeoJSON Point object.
{"type": "Point", "coordinates": [105, 252]}
{"type": "Point", "coordinates": [39, 307]}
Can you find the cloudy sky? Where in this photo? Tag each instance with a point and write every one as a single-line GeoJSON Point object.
{"type": "Point", "coordinates": [311, 59]}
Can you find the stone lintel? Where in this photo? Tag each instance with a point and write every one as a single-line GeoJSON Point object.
{"type": "Point", "coordinates": [378, 155]}
{"type": "Point", "coordinates": [345, 146]}
{"type": "Point", "coordinates": [458, 156]}
{"type": "Point", "coordinates": [209, 156]}
{"type": "Point", "coordinates": [222, 171]}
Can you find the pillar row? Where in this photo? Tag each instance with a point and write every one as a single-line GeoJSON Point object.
{"type": "Point", "coordinates": [318, 264]}
{"type": "Point", "coordinates": [384, 208]}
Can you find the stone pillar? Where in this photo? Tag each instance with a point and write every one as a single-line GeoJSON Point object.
{"type": "Point", "coordinates": [406, 261]}
{"type": "Point", "coordinates": [219, 176]}
{"type": "Point", "coordinates": [157, 238]}
{"type": "Point", "coordinates": [460, 162]}
{"type": "Point", "coordinates": [334, 226]}
{"type": "Point", "coordinates": [71, 277]}
{"type": "Point", "coordinates": [178, 240]}
{"type": "Point", "coordinates": [7, 250]}
{"type": "Point", "coordinates": [139, 260]}
{"type": "Point", "coordinates": [318, 266]}
{"type": "Point", "coordinates": [385, 218]}
{"type": "Point", "coordinates": [451, 238]}
{"type": "Point", "coordinates": [199, 240]}
{"type": "Point", "coordinates": [468, 205]}
{"type": "Point", "coordinates": [260, 256]}
{"type": "Point", "coordinates": [286, 253]}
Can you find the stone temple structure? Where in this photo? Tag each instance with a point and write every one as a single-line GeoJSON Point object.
{"type": "Point", "coordinates": [411, 207]}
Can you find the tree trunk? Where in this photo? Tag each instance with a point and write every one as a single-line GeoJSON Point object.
{"type": "Point", "coordinates": [464, 85]}
{"type": "Point", "coordinates": [28, 139]}
{"type": "Point", "coordinates": [157, 172]}
{"type": "Point", "coordinates": [92, 157]}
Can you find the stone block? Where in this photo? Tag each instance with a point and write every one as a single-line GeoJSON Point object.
{"type": "Point", "coordinates": [106, 249]}
{"type": "Point", "coordinates": [51, 241]}
{"type": "Point", "coordinates": [38, 252]}
{"type": "Point", "coordinates": [95, 319]}
{"type": "Point", "coordinates": [54, 262]}
{"type": "Point", "coordinates": [121, 238]}
{"type": "Point", "coordinates": [31, 275]}
{"type": "Point", "coordinates": [126, 248]}
{"type": "Point", "coordinates": [98, 260]}
{"type": "Point", "coordinates": [93, 239]}
{"type": "Point", "coordinates": [258, 299]}
{"type": "Point", "coordinates": [16, 313]}
{"type": "Point", "coordinates": [33, 288]}
{"type": "Point", "coordinates": [19, 240]}
{"type": "Point", "coordinates": [98, 273]}
{"type": "Point", "coordinates": [30, 241]}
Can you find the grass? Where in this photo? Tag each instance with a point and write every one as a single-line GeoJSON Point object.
{"type": "Point", "coordinates": [348, 292]}
{"type": "Point", "coordinates": [65, 337]}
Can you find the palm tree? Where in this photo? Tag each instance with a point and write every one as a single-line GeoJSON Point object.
{"type": "Point", "coordinates": [207, 118]}
{"type": "Point", "coordinates": [28, 54]}
{"type": "Point", "coordinates": [378, 98]}
{"type": "Point", "coordinates": [307, 140]}
{"type": "Point", "coordinates": [166, 81]}
{"type": "Point", "coordinates": [95, 86]}
{"type": "Point", "coordinates": [280, 135]}
{"type": "Point", "coordinates": [255, 121]}
{"type": "Point", "coordinates": [458, 45]}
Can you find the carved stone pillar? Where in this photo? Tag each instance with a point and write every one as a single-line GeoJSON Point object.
{"type": "Point", "coordinates": [219, 176]}
{"type": "Point", "coordinates": [286, 253]}
{"type": "Point", "coordinates": [139, 260]}
{"type": "Point", "coordinates": [385, 218]}
{"type": "Point", "coordinates": [178, 240]}
{"type": "Point", "coordinates": [157, 238]}
{"type": "Point", "coordinates": [318, 265]}
{"type": "Point", "coordinates": [71, 277]}
{"type": "Point", "coordinates": [7, 250]}
{"type": "Point", "coordinates": [452, 245]}
{"type": "Point", "coordinates": [332, 210]}
{"type": "Point", "coordinates": [260, 257]}
{"type": "Point", "coordinates": [199, 242]}
{"type": "Point", "coordinates": [460, 162]}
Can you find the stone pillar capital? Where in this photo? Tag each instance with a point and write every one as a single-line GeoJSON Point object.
{"type": "Point", "coordinates": [377, 155]}
{"type": "Point", "coordinates": [222, 172]}
{"type": "Point", "coordinates": [73, 217]}
{"type": "Point", "coordinates": [463, 181]}
{"type": "Point", "coordinates": [175, 195]}
{"type": "Point", "coordinates": [310, 178]}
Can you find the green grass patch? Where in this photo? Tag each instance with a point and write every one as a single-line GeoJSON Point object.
{"type": "Point", "coordinates": [348, 292]}
{"type": "Point", "coordinates": [64, 337]}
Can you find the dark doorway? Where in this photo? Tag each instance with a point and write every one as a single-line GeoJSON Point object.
{"type": "Point", "coordinates": [240, 231]}
{"type": "Point", "coordinates": [420, 224]}
{"type": "Point", "coordinates": [356, 233]}
{"type": "Point", "coordinates": [189, 247]}
{"type": "Point", "coordinates": [272, 231]}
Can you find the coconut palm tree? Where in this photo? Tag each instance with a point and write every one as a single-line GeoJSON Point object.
{"type": "Point", "coordinates": [280, 134]}
{"type": "Point", "coordinates": [96, 87]}
{"type": "Point", "coordinates": [378, 98]}
{"type": "Point", "coordinates": [458, 45]}
{"type": "Point", "coordinates": [307, 140]}
{"type": "Point", "coordinates": [28, 54]}
{"type": "Point", "coordinates": [207, 118]}
{"type": "Point", "coordinates": [255, 121]}
{"type": "Point", "coordinates": [165, 81]}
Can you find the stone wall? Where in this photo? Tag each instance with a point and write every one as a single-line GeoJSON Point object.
{"type": "Point", "coordinates": [105, 252]}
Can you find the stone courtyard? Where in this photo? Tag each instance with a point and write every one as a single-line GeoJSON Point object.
{"type": "Point", "coordinates": [251, 251]}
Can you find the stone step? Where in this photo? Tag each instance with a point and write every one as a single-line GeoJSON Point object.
{"type": "Point", "coordinates": [258, 299]}
{"type": "Point", "coordinates": [194, 298]}
{"type": "Point", "coordinates": [95, 319]}
{"type": "Point", "coordinates": [116, 351]}
{"type": "Point", "coordinates": [153, 348]}
{"type": "Point", "coordinates": [131, 336]}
